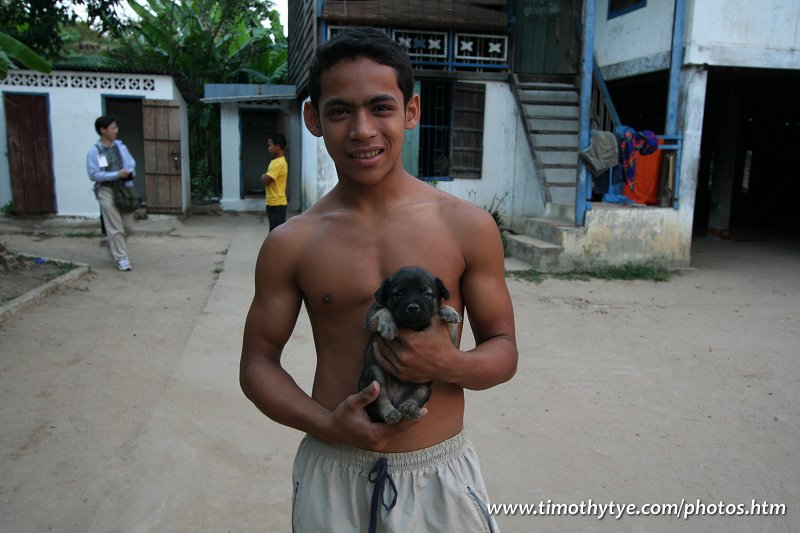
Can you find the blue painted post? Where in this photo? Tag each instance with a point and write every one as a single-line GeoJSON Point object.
{"type": "Point", "coordinates": [587, 63]}
{"type": "Point", "coordinates": [676, 61]}
{"type": "Point", "coordinates": [678, 24]}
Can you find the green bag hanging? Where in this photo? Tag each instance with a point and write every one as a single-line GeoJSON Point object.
{"type": "Point", "coordinates": [126, 199]}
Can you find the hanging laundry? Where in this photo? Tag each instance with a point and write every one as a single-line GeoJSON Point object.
{"type": "Point", "coordinates": [632, 142]}
{"type": "Point", "coordinates": [648, 171]}
{"type": "Point", "coordinates": [602, 152]}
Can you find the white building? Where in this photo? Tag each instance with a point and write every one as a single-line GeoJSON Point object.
{"type": "Point", "coordinates": [47, 127]}
{"type": "Point", "coordinates": [738, 105]}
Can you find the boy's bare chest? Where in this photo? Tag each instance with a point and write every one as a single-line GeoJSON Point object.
{"type": "Point", "coordinates": [343, 266]}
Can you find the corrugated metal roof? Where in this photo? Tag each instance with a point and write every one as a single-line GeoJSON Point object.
{"type": "Point", "coordinates": [233, 92]}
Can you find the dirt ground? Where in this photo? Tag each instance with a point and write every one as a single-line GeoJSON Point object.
{"type": "Point", "coordinates": [20, 274]}
{"type": "Point", "coordinates": [121, 410]}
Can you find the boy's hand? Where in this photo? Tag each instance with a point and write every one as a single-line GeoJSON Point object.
{"type": "Point", "coordinates": [419, 356]}
{"type": "Point", "coordinates": [354, 427]}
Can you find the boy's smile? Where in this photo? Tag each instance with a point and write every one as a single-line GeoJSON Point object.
{"type": "Point", "coordinates": [362, 118]}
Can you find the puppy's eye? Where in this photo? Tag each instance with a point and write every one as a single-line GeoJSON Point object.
{"type": "Point", "coordinates": [428, 294]}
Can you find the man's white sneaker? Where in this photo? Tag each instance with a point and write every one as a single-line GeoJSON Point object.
{"type": "Point", "coordinates": [123, 264]}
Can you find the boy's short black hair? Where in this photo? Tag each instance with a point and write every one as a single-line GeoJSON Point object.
{"type": "Point", "coordinates": [279, 139]}
{"type": "Point", "coordinates": [103, 122]}
{"type": "Point", "coordinates": [354, 42]}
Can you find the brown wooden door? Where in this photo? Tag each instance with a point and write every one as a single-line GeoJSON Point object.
{"type": "Point", "coordinates": [162, 154]}
{"type": "Point", "coordinates": [466, 141]}
{"type": "Point", "coordinates": [29, 153]}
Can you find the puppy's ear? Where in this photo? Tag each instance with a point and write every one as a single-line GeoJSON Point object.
{"type": "Point", "coordinates": [382, 294]}
{"type": "Point", "coordinates": [444, 294]}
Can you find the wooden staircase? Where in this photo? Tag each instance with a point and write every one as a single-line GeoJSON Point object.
{"type": "Point", "coordinates": [551, 113]}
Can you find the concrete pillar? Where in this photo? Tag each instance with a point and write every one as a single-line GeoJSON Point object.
{"type": "Point", "coordinates": [694, 79]}
{"type": "Point", "coordinates": [231, 146]}
{"type": "Point", "coordinates": [723, 176]}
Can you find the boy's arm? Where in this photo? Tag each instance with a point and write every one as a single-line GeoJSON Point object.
{"type": "Point", "coordinates": [491, 315]}
{"type": "Point", "coordinates": [270, 321]}
{"type": "Point", "coordinates": [421, 356]}
{"type": "Point", "coordinates": [265, 177]}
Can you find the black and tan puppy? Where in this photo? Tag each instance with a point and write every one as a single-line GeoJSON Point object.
{"type": "Point", "coordinates": [409, 298]}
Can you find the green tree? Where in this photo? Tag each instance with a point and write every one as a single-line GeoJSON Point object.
{"type": "Point", "coordinates": [38, 23]}
{"type": "Point", "coordinates": [206, 41]}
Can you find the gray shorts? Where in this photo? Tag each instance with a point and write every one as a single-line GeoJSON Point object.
{"type": "Point", "coordinates": [344, 489]}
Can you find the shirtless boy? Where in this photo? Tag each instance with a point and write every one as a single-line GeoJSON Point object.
{"type": "Point", "coordinates": [420, 475]}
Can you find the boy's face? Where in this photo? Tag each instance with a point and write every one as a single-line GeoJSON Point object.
{"type": "Point", "coordinates": [362, 119]}
{"type": "Point", "coordinates": [272, 148]}
{"type": "Point", "coordinates": [109, 133]}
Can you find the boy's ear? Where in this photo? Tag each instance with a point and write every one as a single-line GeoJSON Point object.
{"type": "Point", "coordinates": [412, 112]}
{"type": "Point", "coordinates": [311, 118]}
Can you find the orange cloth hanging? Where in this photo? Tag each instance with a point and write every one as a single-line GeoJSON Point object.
{"type": "Point", "coordinates": [645, 185]}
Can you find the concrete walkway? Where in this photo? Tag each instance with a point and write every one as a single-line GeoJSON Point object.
{"type": "Point", "coordinates": [636, 392]}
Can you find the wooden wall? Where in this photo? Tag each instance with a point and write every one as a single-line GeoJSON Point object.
{"type": "Point", "coordinates": [482, 15]}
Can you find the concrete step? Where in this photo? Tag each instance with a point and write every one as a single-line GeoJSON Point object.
{"type": "Point", "coordinates": [545, 86]}
{"type": "Point", "coordinates": [547, 229]}
{"type": "Point", "coordinates": [514, 264]}
{"type": "Point", "coordinates": [540, 255]}
{"type": "Point", "coordinates": [555, 140]}
{"type": "Point", "coordinates": [561, 175]}
{"type": "Point", "coordinates": [552, 111]}
{"type": "Point", "coordinates": [562, 194]}
{"type": "Point", "coordinates": [548, 97]}
{"type": "Point", "coordinates": [548, 125]}
{"type": "Point", "coordinates": [558, 157]}
{"type": "Point", "coordinates": [560, 213]}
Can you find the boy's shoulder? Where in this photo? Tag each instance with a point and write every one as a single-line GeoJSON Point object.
{"type": "Point", "coordinates": [462, 211]}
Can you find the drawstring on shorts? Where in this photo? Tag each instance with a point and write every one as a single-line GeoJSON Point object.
{"type": "Point", "coordinates": [379, 475]}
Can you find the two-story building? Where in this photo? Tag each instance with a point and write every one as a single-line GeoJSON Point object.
{"type": "Point", "coordinates": [512, 89]}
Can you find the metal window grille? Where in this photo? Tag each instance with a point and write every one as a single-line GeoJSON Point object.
{"type": "Point", "coordinates": [451, 129]}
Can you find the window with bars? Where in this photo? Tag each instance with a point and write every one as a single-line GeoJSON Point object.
{"type": "Point", "coordinates": [451, 129]}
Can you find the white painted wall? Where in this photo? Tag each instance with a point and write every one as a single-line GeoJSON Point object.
{"type": "Point", "coordinates": [740, 33]}
{"type": "Point", "coordinates": [743, 33]}
{"type": "Point", "coordinates": [508, 172]}
{"type": "Point", "coordinates": [508, 168]}
{"type": "Point", "coordinates": [643, 33]}
{"type": "Point", "coordinates": [73, 111]}
{"type": "Point", "coordinates": [231, 146]}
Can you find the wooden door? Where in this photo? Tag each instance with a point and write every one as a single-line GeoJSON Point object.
{"type": "Point", "coordinates": [546, 39]}
{"type": "Point", "coordinates": [466, 140]}
{"type": "Point", "coordinates": [29, 153]}
{"type": "Point", "coordinates": [162, 156]}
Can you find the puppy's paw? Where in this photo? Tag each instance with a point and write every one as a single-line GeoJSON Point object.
{"type": "Point", "coordinates": [393, 417]}
{"type": "Point", "coordinates": [410, 410]}
{"type": "Point", "coordinates": [387, 327]}
{"type": "Point", "coordinates": [448, 314]}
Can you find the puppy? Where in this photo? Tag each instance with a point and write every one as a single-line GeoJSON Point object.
{"type": "Point", "coordinates": [409, 298]}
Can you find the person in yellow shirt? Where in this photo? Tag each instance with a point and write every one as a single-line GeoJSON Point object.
{"type": "Point", "coordinates": [275, 181]}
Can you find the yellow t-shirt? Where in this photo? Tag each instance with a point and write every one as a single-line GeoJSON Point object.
{"type": "Point", "coordinates": [276, 190]}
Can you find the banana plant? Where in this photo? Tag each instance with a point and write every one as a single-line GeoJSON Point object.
{"type": "Point", "coordinates": [10, 48]}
